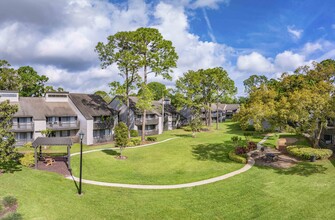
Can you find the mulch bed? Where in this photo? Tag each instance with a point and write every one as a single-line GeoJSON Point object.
{"type": "Point", "coordinates": [59, 167]}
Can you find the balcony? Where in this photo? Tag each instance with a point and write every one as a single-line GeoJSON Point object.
{"type": "Point", "coordinates": [102, 125]}
{"type": "Point", "coordinates": [102, 139]}
{"type": "Point", "coordinates": [57, 125]}
{"type": "Point", "coordinates": [149, 121]}
{"type": "Point", "coordinates": [28, 126]}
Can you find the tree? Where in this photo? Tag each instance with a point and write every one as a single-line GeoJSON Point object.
{"type": "Point", "coordinates": [254, 81]}
{"type": "Point", "coordinates": [120, 50]}
{"type": "Point", "coordinates": [104, 95]}
{"type": "Point", "coordinates": [303, 101]}
{"type": "Point", "coordinates": [121, 137]}
{"type": "Point", "coordinates": [158, 90]}
{"type": "Point", "coordinates": [144, 103]}
{"type": "Point", "coordinates": [30, 83]}
{"type": "Point", "coordinates": [204, 87]}
{"type": "Point", "coordinates": [8, 77]}
{"type": "Point", "coordinates": [195, 124]}
{"type": "Point", "coordinates": [8, 153]}
{"type": "Point", "coordinates": [155, 55]}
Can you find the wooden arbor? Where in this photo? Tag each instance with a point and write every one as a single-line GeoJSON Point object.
{"type": "Point", "coordinates": [52, 141]}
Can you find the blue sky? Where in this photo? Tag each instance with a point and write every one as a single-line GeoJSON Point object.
{"type": "Point", "coordinates": [269, 37]}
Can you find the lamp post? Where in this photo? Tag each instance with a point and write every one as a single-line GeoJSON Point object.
{"type": "Point", "coordinates": [81, 135]}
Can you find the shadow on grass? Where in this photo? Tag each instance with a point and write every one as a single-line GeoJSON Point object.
{"type": "Point", "coordinates": [304, 169]}
{"type": "Point", "coordinates": [184, 135]}
{"type": "Point", "coordinates": [332, 160]}
{"type": "Point", "coordinates": [301, 169]}
{"type": "Point", "coordinates": [217, 152]}
{"type": "Point", "coordinates": [10, 167]}
{"type": "Point", "coordinates": [111, 152]}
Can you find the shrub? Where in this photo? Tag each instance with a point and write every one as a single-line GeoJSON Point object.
{"type": "Point", "coordinates": [28, 145]}
{"type": "Point", "coordinates": [151, 139]}
{"type": "Point", "coordinates": [133, 133]}
{"type": "Point", "coordinates": [27, 160]}
{"type": "Point", "coordinates": [9, 201]}
{"type": "Point", "coordinates": [251, 146]}
{"type": "Point", "coordinates": [205, 128]}
{"type": "Point", "coordinates": [237, 158]}
{"type": "Point", "coordinates": [1, 208]}
{"type": "Point", "coordinates": [130, 144]}
{"type": "Point", "coordinates": [13, 216]}
{"type": "Point", "coordinates": [304, 152]}
{"type": "Point", "coordinates": [187, 128]}
{"type": "Point", "coordinates": [136, 141]}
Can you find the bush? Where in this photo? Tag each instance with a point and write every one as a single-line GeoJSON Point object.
{"type": "Point", "coordinates": [237, 158]}
{"type": "Point", "coordinates": [27, 160]}
{"type": "Point", "coordinates": [130, 144]}
{"type": "Point", "coordinates": [133, 133]}
{"type": "Point", "coordinates": [187, 128]}
{"type": "Point", "coordinates": [304, 152]}
{"type": "Point", "coordinates": [28, 145]}
{"type": "Point", "coordinates": [151, 139]}
{"type": "Point", "coordinates": [13, 216]}
{"type": "Point", "coordinates": [9, 201]}
{"type": "Point", "coordinates": [136, 141]}
{"type": "Point", "coordinates": [1, 208]}
{"type": "Point", "coordinates": [205, 128]}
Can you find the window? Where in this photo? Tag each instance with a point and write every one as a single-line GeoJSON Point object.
{"type": "Point", "coordinates": [8, 95]}
{"type": "Point", "coordinates": [147, 127]}
{"type": "Point", "coordinates": [65, 134]}
{"type": "Point", "coordinates": [328, 138]}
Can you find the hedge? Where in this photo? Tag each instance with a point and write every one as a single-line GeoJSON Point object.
{"type": "Point", "coordinates": [304, 152]}
{"type": "Point", "coordinates": [151, 139]}
{"type": "Point", "coordinates": [133, 133]}
{"type": "Point", "coordinates": [135, 141]}
{"type": "Point", "coordinates": [237, 158]}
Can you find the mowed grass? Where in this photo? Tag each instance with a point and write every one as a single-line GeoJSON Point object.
{"type": "Point", "coordinates": [305, 191]}
{"type": "Point", "coordinates": [181, 160]}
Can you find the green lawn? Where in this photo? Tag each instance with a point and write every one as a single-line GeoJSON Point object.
{"type": "Point", "coordinates": [305, 191]}
{"type": "Point", "coordinates": [181, 160]}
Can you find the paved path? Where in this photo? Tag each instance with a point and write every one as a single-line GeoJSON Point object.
{"type": "Point", "coordinates": [250, 163]}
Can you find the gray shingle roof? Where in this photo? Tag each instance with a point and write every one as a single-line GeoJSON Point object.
{"type": "Point", "coordinates": [39, 109]}
{"type": "Point", "coordinates": [90, 105]}
{"type": "Point", "coordinates": [52, 141]}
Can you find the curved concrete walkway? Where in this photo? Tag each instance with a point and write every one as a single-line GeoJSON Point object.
{"type": "Point", "coordinates": [250, 163]}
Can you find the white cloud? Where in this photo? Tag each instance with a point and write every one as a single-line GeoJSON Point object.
{"type": "Point", "coordinates": [255, 63]}
{"type": "Point", "coordinates": [288, 61]}
{"type": "Point", "coordinates": [214, 4]}
{"type": "Point", "coordinates": [333, 26]}
{"type": "Point", "coordinates": [312, 47]}
{"type": "Point", "coordinates": [295, 33]}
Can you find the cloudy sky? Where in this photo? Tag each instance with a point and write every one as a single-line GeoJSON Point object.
{"type": "Point", "coordinates": [245, 37]}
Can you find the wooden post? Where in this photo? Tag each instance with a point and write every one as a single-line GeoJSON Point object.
{"type": "Point", "coordinates": [68, 157]}
{"type": "Point", "coordinates": [35, 148]}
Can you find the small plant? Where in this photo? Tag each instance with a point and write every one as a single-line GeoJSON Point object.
{"type": "Point", "coordinates": [151, 139]}
{"type": "Point", "coordinates": [121, 136]}
{"type": "Point", "coordinates": [13, 216]}
{"type": "Point", "coordinates": [28, 145]}
{"type": "Point", "coordinates": [28, 159]}
{"type": "Point", "coordinates": [236, 140]}
{"type": "Point", "coordinates": [1, 208]}
{"type": "Point", "coordinates": [9, 201]}
{"type": "Point", "coordinates": [136, 141]}
{"type": "Point", "coordinates": [187, 128]}
{"type": "Point", "coordinates": [133, 133]}
{"type": "Point", "coordinates": [242, 158]}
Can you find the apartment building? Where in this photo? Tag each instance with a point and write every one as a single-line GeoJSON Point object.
{"type": "Point", "coordinates": [154, 121]}
{"type": "Point", "coordinates": [63, 114]}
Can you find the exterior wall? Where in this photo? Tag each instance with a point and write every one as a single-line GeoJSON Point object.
{"type": "Point", "coordinates": [39, 125]}
{"type": "Point", "coordinates": [89, 133]}
{"type": "Point", "coordinates": [160, 125]}
{"type": "Point", "coordinates": [83, 122]}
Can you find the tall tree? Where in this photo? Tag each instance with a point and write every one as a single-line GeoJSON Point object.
{"type": "Point", "coordinates": [120, 50]}
{"type": "Point", "coordinates": [155, 55]}
{"type": "Point", "coordinates": [30, 83]}
{"type": "Point", "coordinates": [8, 152]}
{"type": "Point", "coordinates": [8, 77]}
{"type": "Point", "coordinates": [254, 81]}
{"type": "Point", "coordinates": [157, 89]}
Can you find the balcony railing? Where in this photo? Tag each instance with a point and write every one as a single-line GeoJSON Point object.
{"type": "Point", "coordinates": [102, 139]}
{"type": "Point", "coordinates": [23, 126]}
{"type": "Point", "coordinates": [63, 125]}
{"type": "Point", "coordinates": [102, 125]}
{"type": "Point", "coordinates": [148, 121]}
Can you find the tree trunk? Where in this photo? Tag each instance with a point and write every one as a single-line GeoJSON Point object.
{"type": "Point", "coordinates": [127, 97]}
{"type": "Point", "coordinates": [317, 139]}
{"type": "Point", "coordinates": [163, 117]}
{"type": "Point", "coordinates": [217, 116]}
{"type": "Point", "coordinates": [120, 152]}
{"type": "Point", "coordinates": [144, 111]}
{"type": "Point", "coordinates": [210, 114]}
